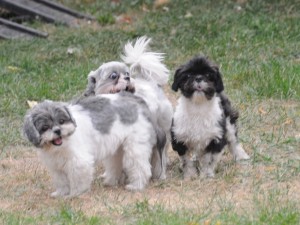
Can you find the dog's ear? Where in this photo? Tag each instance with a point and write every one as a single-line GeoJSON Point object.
{"type": "Point", "coordinates": [70, 115]}
{"type": "Point", "coordinates": [30, 131]}
{"type": "Point", "coordinates": [218, 79]}
{"type": "Point", "coordinates": [178, 77]}
{"type": "Point", "coordinates": [90, 89]}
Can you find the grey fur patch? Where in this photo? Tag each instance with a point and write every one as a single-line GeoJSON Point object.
{"type": "Point", "coordinates": [128, 115]}
{"type": "Point", "coordinates": [101, 112]}
{"type": "Point", "coordinates": [127, 108]}
{"type": "Point", "coordinates": [30, 131]}
{"type": "Point", "coordinates": [104, 112]}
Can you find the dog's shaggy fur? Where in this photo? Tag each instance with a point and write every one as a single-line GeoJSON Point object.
{"type": "Point", "coordinates": [72, 138]}
{"type": "Point", "coordinates": [204, 120]}
{"type": "Point", "coordinates": [144, 76]}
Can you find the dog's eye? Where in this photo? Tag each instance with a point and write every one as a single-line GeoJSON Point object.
{"type": "Point", "coordinates": [114, 75]}
{"type": "Point", "coordinates": [45, 128]}
{"type": "Point", "coordinates": [209, 77]}
{"type": "Point", "coordinates": [61, 121]}
{"type": "Point", "coordinates": [93, 80]}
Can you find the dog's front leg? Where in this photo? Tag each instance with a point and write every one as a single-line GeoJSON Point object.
{"type": "Point", "coordinates": [61, 184]}
{"type": "Point", "coordinates": [208, 163]}
{"type": "Point", "coordinates": [188, 166]}
{"type": "Point", "coordinates": [80, 176]}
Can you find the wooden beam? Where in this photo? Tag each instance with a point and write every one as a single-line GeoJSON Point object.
{"type": "Point", "coordinates": [11, 30]}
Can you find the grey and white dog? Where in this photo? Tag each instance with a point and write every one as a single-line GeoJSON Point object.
{"type": "Point", "coordinates": [144, 76]}
{"type": "Point", "coordinates": [204, 120]}
{"type": "Point", "coordinates": [117, 129]}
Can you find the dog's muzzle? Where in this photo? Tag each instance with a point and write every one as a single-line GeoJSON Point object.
{"type": "Point", "coordinates": [57, 141]}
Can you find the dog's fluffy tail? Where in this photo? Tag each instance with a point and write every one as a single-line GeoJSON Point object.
{"type": "Point", "coordinates": [144, 63]}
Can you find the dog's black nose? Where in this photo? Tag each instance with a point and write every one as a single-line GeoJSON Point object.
{"type": "Point", "coordinates": [127, 78]}
{"type": "Point", "coordinates": [57, 131]}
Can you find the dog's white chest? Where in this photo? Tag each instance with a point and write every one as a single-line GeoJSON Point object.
{"type": "Point", "coordinates": [197, 124]}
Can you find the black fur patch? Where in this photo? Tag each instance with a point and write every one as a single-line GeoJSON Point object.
{"type": "Point", "coordinates": [199, 65]}
{"type": "Point", "coordinates": [177, 146]}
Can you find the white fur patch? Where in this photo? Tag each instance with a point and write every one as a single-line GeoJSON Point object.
{"type": "Point", "coordinates": [197, 124]}
{"type": "Point", "coordinates": [145, 63]}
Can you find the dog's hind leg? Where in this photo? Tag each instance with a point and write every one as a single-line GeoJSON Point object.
{"type": "Point", "coordinates": [113, 169]}
{"type": "Point", "coordinates": [159, 165]}
{"type": "Point", "coordinates": [159, 155]}
{"type": "Point", "coordinates": [136, 162]}
{"type": "Point", "coordinates": [234, 146]}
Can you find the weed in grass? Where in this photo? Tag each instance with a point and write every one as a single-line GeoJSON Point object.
{"type": "Point", "coordinates": [106, 19]}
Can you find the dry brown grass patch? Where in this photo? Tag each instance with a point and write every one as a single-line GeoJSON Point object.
{"type": "Point", "coordinates": [274, 167]}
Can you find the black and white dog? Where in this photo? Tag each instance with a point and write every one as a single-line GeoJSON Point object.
{"type": "Point", "coordinates": [204, 121]}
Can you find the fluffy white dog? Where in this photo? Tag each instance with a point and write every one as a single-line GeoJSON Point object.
{"type": "Point", "coordinates": [144, 77]}
{"type": "Point", "coordinates": [73, 138]}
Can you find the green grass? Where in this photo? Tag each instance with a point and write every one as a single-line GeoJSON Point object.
{"type": "Point", "coordinates": [258, 49]}
{"type": "Point", "coordinates": [63, 216]}
{"type": "Point", "coordinates": [267, 211]}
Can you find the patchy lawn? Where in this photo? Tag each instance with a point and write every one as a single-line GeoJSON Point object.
{"type": "Point", "coordinates": [256, 44]}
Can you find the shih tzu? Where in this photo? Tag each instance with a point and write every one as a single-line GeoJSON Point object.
{"type": "Point", "coordinates": [73, 138]}
{"type": "Point", "coordinates": [204, 121]}
{"type": "Point", "coordinates": [142, 73]}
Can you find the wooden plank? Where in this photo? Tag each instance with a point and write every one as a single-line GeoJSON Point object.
{"type": "Point", "coordinates": [62, 8]}
{"type": "Point", "coordinates": [10, 33]}
{"type": "Point", "coordinates": [11, 30]}
{"type": "Point", "coordinates": [40, 9]}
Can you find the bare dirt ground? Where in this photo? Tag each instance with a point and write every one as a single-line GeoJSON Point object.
{"type": "Point", "coordinates": [270, 134]}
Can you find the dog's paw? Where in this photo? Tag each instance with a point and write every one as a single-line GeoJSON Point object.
{"type": "Point", "coordinates": [190, 173]}
{"type": "Point", "coordinates": [243, 156]}
{"type": "Point", "coordinates": [207, 174]}
{"type": "Point", "coordinates": [110, 181]}
{"type": "Point", "coordinates": [132, 187]}
{"type": "Point", "coordinates": [56, 194]}
{"type": "Point", "coordinates": [163, 176]}
{"type": "Point", "coordinates": [102, 176]}
{"type": "Point", "coordinates": [60, 192]}
{"type": "Point", "coordinates": [240, 154]}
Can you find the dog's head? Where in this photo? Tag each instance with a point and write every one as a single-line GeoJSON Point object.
{"type": "Point", "coordinates": [198, 77]}
{"type": "Point", "coordinates": [48, 123]}
{"type": "Point", "coordinates": [111, 77]}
